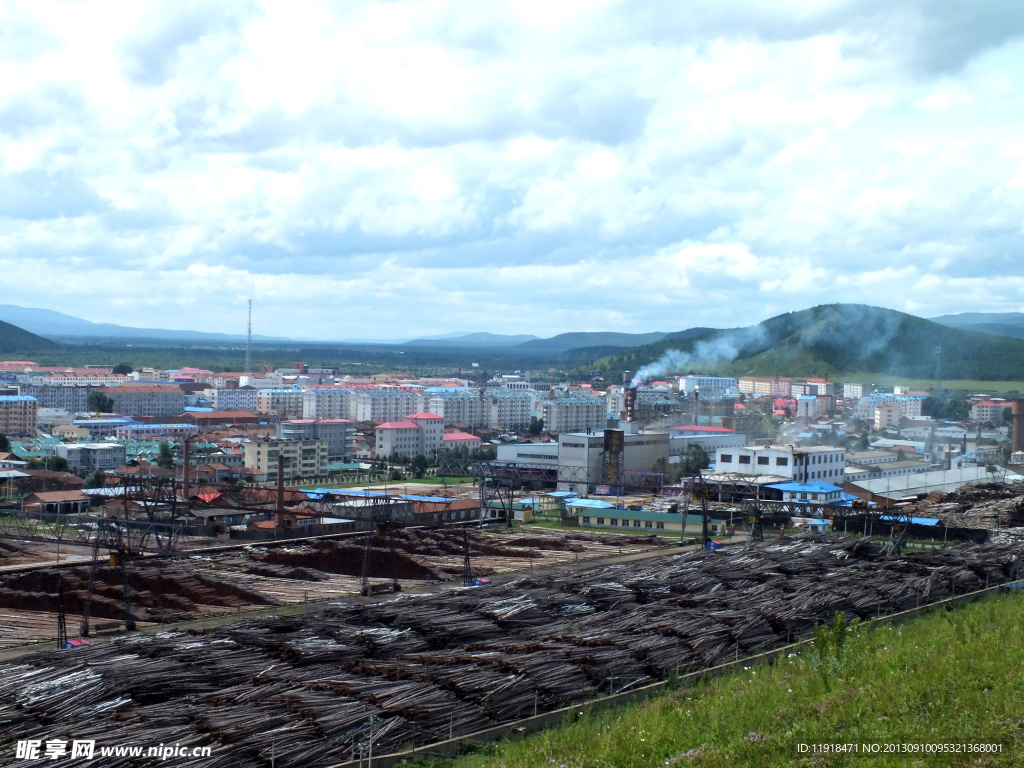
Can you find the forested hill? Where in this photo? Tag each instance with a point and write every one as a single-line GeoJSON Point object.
{"type": "Point", "coordinates": [835, 338]}
{"type": "Point", "coordinates": [15, 339]}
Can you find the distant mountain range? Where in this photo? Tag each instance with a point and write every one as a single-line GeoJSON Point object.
{"type": "Point", "coordinates": [999, 323]}
{"type": "Point", "coordinates": [47, 322]}
{"type": "Point", "coordinates": [466, 339]}
{"type": "Point", "coordinates": [830, 340]}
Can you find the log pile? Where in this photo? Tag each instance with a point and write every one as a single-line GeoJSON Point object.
{"type": "Point", "coordinates": [308, 689]}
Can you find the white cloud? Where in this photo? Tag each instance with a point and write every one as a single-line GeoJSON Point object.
{"type": "Point", "coordinates": [508, 166]}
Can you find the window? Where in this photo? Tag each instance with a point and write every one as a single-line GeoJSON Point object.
{"type": "Point", "coordinates": [762, 460]}
{"type": "Point", "coordinates": [727, 458]}
{"type": "Point", "coordinates": [600, 521]}
{"type": "Point", "coordinates": [661, 525]}
{"type": "Point", "coordinates": [613, 521]}
{"type": "Point", "coordinates": [744, 459]}
{"type": "Point", "coordinates": [782, 462]}
{"type": "Point", "coordinates": [648, 524]}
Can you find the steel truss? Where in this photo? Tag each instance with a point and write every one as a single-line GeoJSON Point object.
{"type": "Point", "coordinates": [86, 530]}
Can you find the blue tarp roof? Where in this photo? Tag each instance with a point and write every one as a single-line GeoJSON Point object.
{"type": "Point", "coordinates": [818, 522]}
{"type": "Point", "coordinates": [814, 487]}
{"type": "Point", "coordinates": [560, 494]}
{"type": "Point", "coordinates": [438, 499]}
{"type": "Point", "coordinates": [319, 492]}
{"type": "Point", "coordinates": [590, 503]}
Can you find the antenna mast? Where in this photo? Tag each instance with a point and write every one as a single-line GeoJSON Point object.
{"type": "Point", "coordinates": [248, 344]}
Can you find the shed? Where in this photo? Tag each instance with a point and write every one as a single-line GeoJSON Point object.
{"type": "Point", "coordinates": [819, 526]}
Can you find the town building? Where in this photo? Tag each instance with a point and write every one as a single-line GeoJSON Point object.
{"type": "Point", "coordinates": [582, 458]}
{"type": "Point", "coordinates": [710, 387]}
{"type": "Point", "coordinates": [573, 414]}
{"type": "Point", "coordinates": [19, 415]}
{"type": "Point", "coordinates": [88, 457]}
{"type": "Point", "coordinates": [709, 439]}
{"type": "Point", "coordinates": [460, 441]}
{"type": "Point", "coordinates": [989, 411]}
{"type": "Point", "coordinates": [801, 464]}
{"type": "Point", "coordinates": [302, 458]}
{"type": "Point", "coordinates": [420, 433]}
{"type": "Point", "coordinates": [853, 391]}
{"type": "Point", "coordinates": [224, 399]}
{"type": "Point", "coordinates": [286, 403]}
{"type": "Point", "coordinates": [146, 399]}
{"type": "Point", "coordinates": [141, 431]}
{"type": "Point", "coordinates": [74, 399]}
{"type": "Point", "coordinates": [339, 434]}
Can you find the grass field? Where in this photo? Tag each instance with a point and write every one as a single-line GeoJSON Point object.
{"type": "Point", "coordinates": [970, 386]}
{"type": "Point", "coordinates": [950, 677]}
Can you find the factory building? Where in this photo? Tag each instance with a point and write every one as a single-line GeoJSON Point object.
{"type": "Point", "coordinates": [800, 464]}
{"type": "Point", "coordinates": [583, 462]}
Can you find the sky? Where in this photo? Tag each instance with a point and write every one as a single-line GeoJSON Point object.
{"type": "Point", "coordinates": [393, 169]}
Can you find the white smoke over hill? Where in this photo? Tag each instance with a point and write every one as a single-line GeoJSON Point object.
{"type": "Point", "coordinates": [724, 347]}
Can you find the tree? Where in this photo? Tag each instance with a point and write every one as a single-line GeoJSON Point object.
{"type": "Point", "coordinates": [695, 459]}
{"type": "Point", "coordinates": [95, 479]}
{"type": "Point", "coordinates": [5, 443]}
{"type": "Point", "coordinates": [121, 369]}
{"type": "Point", "coordinates": [166, 458]}
{"type": "Point", "coordinates": [536, 426]}
{"type": "Point", "coordinates": [419, 465]}
{"type": "Point", "coordinates": [100, 402]}
{"type": "Point", "coordinates": [56, 463]}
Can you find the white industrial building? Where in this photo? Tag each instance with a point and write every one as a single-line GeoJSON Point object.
{"type": "Point", "coordinates": [710, 387]}
{"type": "Point", "coordinates": [800, 464]}
{"type": "Point", "coordinates": [581, 457]}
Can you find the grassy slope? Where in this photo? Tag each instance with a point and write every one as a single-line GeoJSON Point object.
{"type": "Point", "coordinates": [950, 676]}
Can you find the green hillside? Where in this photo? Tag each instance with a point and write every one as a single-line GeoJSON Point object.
{"type": "Point", "coordinates": [830, 340]}
{"type": "Point", "coordinates": [15, 339]}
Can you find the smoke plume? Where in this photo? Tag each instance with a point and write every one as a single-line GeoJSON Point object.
{"type": "Point", "coordinates": [720, 349]}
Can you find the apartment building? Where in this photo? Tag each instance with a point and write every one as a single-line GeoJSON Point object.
{"type": "Point", "coordinates": [338, 434]}
{"type": "Point", "coordinates": [146, 400]}
{"type": "Point", "coordinates": [302, 458]}
{"type": "Point", "coordinates": [328, 403]}
{"type": "Point", "coordinates": [286, 403]}
{"type": "Point", "coordinates": [73, 399]}
{"type": "Point", "coordinates": [420, 433]}
{"type": "Point", "coordinates": [19, 415]}
{"type": "Point", "coordinates": [224, 399]}
{"type": "Point", "coordinates": [988, 410]}
{"type": "Point", "coordinates": [89, 457]}
{"type": "Point", "coordinates": [573, 414]}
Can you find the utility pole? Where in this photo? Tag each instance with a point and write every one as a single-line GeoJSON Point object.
{"type": "Point", "coordinates": [248, 344]}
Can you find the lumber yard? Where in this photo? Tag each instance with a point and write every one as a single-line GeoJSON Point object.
{"type": "Point", "coordinates": [321, 688]}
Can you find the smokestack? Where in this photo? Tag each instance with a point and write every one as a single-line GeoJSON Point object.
{"type": "Point", "coordinates": [627, 378]}
{"type": "Point", "coordinates": [696, 404]}
{"type": "Point", "coordinates": [630, 403]}
{"type": "Point", "coordinates": [185, 490]}
{"type": "Point", "coordinates": [1017, 406]}
{"type": "Point", "coordinates": [279, 513]}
